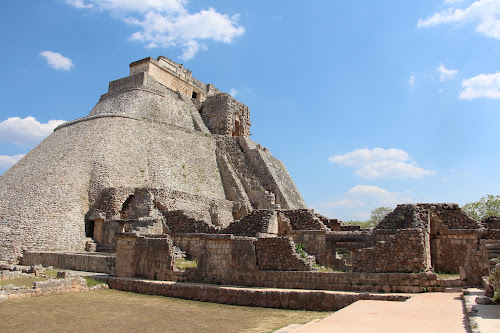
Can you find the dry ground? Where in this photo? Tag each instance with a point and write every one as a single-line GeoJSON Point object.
{"type": "Point", "coordinates": [119, 311]}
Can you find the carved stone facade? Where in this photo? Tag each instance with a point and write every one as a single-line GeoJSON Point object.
{"type": "Point", "coordinates": [225, 115]}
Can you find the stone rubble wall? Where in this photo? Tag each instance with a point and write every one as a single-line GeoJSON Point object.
{"type": "Point", "coordinates": [419, 216]}
{"type": "Point", "coordinates": [85, 261]}
{"type": "Point", "coordinates": [283, 299]}
{"type": "Point", "coordinates": [178, 222]}
{"type": "Point", "coordinates": [257, 224]}
{"type": "Point", "coordinates": [48, 287]}
{"type": "Point", "coordinates": [304, 219]}
{"type": "Point", "coordinates": [278, 254]}
{"type": "Point", "coordinates": [358, 282]}
{"type": "Point", "coordinates": [492, 222]}
{"type": "Point", "coordinates": [404, 251]}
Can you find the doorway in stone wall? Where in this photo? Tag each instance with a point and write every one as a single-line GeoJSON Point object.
{"type": "Point", "coordinates": [434, 241]}
{"type": "Point", "coordinates": [236, 130]}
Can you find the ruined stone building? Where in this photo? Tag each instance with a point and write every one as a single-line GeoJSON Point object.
{"type": "Point", "coordinates": [164, 163]}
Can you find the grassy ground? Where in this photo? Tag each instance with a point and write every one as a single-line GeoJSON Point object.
{"type": "Point", "coordinates": [28, 281]}
{"type": "Point", "coordinates": [119, 311]}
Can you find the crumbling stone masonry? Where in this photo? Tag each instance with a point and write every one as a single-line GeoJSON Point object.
{"type": "Point", "coordinates": [163, 163]}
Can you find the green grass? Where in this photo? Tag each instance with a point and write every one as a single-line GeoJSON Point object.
{"type": "Point", "coordinates": [92, 282]}
{"type": "Point", "coordinates": [182, 264]}
{"type": "Point", "coordinates": [323, 269]}
{"type": "Point", "coordinates": [448, 276]}
{"type": "Point", "coordinates": [21, 282]}
{"type": "Point", "coordinates": [119, 311]}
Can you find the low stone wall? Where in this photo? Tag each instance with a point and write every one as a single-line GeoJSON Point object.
{"type": "Point", "coordinates": [366, 282]}
{"type": "Point", "coordinates": [284, 299]}
{"type": "Point", "coordinates": [278, 254]}
{"type": "Point", "coordinates": [48, 287]}
{"type": "Point", "coordinates": [150, 257]}
{"type": "Point", "coordinates": [78, 261]}
{"type": "Point", "coordinates": [405, 251]}
{"type": "Point", "coordinates": [227, 253]}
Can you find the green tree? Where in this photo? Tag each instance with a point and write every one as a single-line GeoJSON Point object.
{"type": "Point", "coordinates": [489, 205]}
{"type": "Point", "coordinates": [378, 214]}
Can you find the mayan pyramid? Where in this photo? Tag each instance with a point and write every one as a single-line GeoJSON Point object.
{"type": "Point", "coordinates": [158, 131]}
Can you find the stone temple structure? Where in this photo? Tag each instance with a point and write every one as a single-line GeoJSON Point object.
{"type": "Point", "coordinates": [158, 135]}
{"type": "Point", "coordinates": [163, 167]}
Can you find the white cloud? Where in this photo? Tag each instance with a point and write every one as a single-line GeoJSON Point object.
{"type": "Point", "coordinates": [57, 60]}
{"type": "Point", "coordinates": [8, 161]}
{"type": "Point", "coordinates": [446, 74]}
{"type": "Point", "coordinates": [27, 131]}
{"type": "Point", "coordinates": [233, 92]}
{"type": "Point", "coordinates": [381, 163]}
{"type": "Point", "coordinates": [412, 80]}
{"type": "Point", "coordinates": [168, 24]}
{"type": "Point", "coordinates": [452, 1]}
{"type": "Point", "coordinates": [485, 12]}
{"type": "Point", "coordinates": [79, 4]}
{"type": "Point", "coordinates": [358, 202]}
{"type": "Point", "coordinates": [481, 86]}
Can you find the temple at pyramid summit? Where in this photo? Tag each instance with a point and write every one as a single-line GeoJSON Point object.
{"type": "Point", "coordinates": [163, 168]}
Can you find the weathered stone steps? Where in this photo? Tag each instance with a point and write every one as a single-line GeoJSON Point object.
{"type": "Point", "coordinates": [314, 300]}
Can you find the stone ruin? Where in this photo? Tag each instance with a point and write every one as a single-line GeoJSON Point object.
{"type": "Point", "coordinates": [163, 167]}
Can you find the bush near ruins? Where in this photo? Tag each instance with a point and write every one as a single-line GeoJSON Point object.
{"type": "Point", "coordinates": [376, 215]}
{"type": "Point", "coordinates": [487, 206]}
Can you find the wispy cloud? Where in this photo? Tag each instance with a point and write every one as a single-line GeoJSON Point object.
{"type": "Point", "coordinates": [445, 73]}
{"type": "Point", "coordinates": [79, 4]}
{"type": "Point", "coordinates": [8, 161]}
{"type": "Point", "coordinates": [233, 92]}
{"type": "Point", "coordinates": [484, 12]}
{"type": "Point", "coordinates": [57, 60]}
{"type": "Point", "coordinates": [381, 163]}
{"type": "Point", "coordinates": [481, 86]}
{"type": "Point", "coordinates": [168, 24]}
{"type": "Point", "coordinates": [358, 201]}
{"type": "Point", "coordinates": [412, 80]}
{"type": "Point", "coordinates": [27, 131]}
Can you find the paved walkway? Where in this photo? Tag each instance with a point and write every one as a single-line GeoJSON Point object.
{"type": "Point", "coordinates": [484, 318]}
{"type": "Point", "coordinates": [428, 312]}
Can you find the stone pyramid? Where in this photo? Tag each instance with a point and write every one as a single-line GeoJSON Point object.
{"type": "Point", "coordinates": [160, 131]}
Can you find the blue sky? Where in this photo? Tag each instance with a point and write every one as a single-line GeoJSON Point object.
{"type": "Point", "coordinates": [368, 103]}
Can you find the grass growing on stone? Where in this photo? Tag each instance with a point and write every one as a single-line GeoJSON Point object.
{"type": "Point", "coordinates": [92, 282]}
{"type": "Point", "coordinates": [119, 311]}
{"type": "Point", "coordinates": [448, 276]}
{"type": "Point", "coordinates": [182, 264]}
